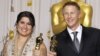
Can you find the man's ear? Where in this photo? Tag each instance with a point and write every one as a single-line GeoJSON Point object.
{"type": "Point", "coordinates": [80, 14]}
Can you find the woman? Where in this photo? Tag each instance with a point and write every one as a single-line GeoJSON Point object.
{"type": "Point", "coordinates": [23, 43]}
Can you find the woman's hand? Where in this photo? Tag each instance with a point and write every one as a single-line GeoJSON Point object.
{"type": "Point", "coordinates": [36, 52]}
{"type": "Point", "coordinates": [51, 53]}
{"type": "Point", "coordinates": [41, 52]}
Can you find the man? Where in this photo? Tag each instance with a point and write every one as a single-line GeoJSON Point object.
{"type": "Point", "coordinates": [58, 23]}
{"type": "Point", "coordinates": [76, 40]}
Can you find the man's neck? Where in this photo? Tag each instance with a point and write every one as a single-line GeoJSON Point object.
{"type": "Point", "coordinates": [73, 28]}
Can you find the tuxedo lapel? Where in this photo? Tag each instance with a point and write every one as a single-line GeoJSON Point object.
{"type": "Point", "coordinates": [68, 40]}
{"type": "Point", "coordinates": [83, 38]}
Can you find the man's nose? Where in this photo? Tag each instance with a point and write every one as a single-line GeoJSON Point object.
{"type": "Point", "coordinates": [69, 15]}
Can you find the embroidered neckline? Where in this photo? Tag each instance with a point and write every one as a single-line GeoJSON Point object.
{"type": "Point", "coordinates": [29, 44]}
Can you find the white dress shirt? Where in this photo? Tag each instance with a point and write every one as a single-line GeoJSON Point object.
{"type": "Point", "coordinates": [79, 34]}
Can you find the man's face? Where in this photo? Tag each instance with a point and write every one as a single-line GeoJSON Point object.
{"type": "Point", "coordinates": [71, 15]}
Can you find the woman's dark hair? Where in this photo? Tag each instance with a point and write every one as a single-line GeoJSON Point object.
{"type": "Point", "coordinates": [26, 14]}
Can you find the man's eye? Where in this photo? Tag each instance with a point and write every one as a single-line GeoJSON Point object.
{"type": "Point", "coordinates": [65, 13]}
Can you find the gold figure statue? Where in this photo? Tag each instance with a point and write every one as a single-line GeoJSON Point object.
{"type": "Point", "coordinates": [29, 3]}
{"type": "Point", "coordinates": [53, 44]}
{"type": "Point", "coordinates": [11, 34]}
{"type": "Point", "coordinates": [58, 23]}
{"type": "Point", "coordinates": [39, 41]}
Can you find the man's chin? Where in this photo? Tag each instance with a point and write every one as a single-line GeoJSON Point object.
{"type": "Point", "coordinates": [70, 26]}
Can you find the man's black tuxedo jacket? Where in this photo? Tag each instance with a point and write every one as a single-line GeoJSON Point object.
{"type": "Point", "coordinates": [89, 46]}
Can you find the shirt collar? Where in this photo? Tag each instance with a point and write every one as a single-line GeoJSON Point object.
{"type": "Point", "coordinates": [79, 29]}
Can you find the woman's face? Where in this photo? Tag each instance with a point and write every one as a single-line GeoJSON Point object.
{"type": "Point", "coordinates": [24, 27]}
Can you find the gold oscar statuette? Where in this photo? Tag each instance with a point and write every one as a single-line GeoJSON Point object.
{"type": "Point", "coordinates": [11, 34]}
{"type": "Point", "coordinates": [53, 44]}
{"type": "Point", "coordinates": [39, 41]}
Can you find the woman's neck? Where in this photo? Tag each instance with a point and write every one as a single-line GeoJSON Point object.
{"type": "Point", "coordinates": [23, 38]}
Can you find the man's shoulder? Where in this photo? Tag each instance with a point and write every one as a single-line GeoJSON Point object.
{"type": "Point", "coordinates": [91, 29]}
{"type": "Point", "coordinates": [62, 33]}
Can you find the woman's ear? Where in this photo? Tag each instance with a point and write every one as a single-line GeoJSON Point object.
{"type": "Point", "coordinates": [16, 27]}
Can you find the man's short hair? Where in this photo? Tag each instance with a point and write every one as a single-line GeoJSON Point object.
{"type": "Point", "coordinates": [71, 3]}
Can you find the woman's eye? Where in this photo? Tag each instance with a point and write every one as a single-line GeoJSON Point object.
{"type": "Point", "coordinates": [22, 22]}
{"type": "Point", "coordinates": [29, 23]}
